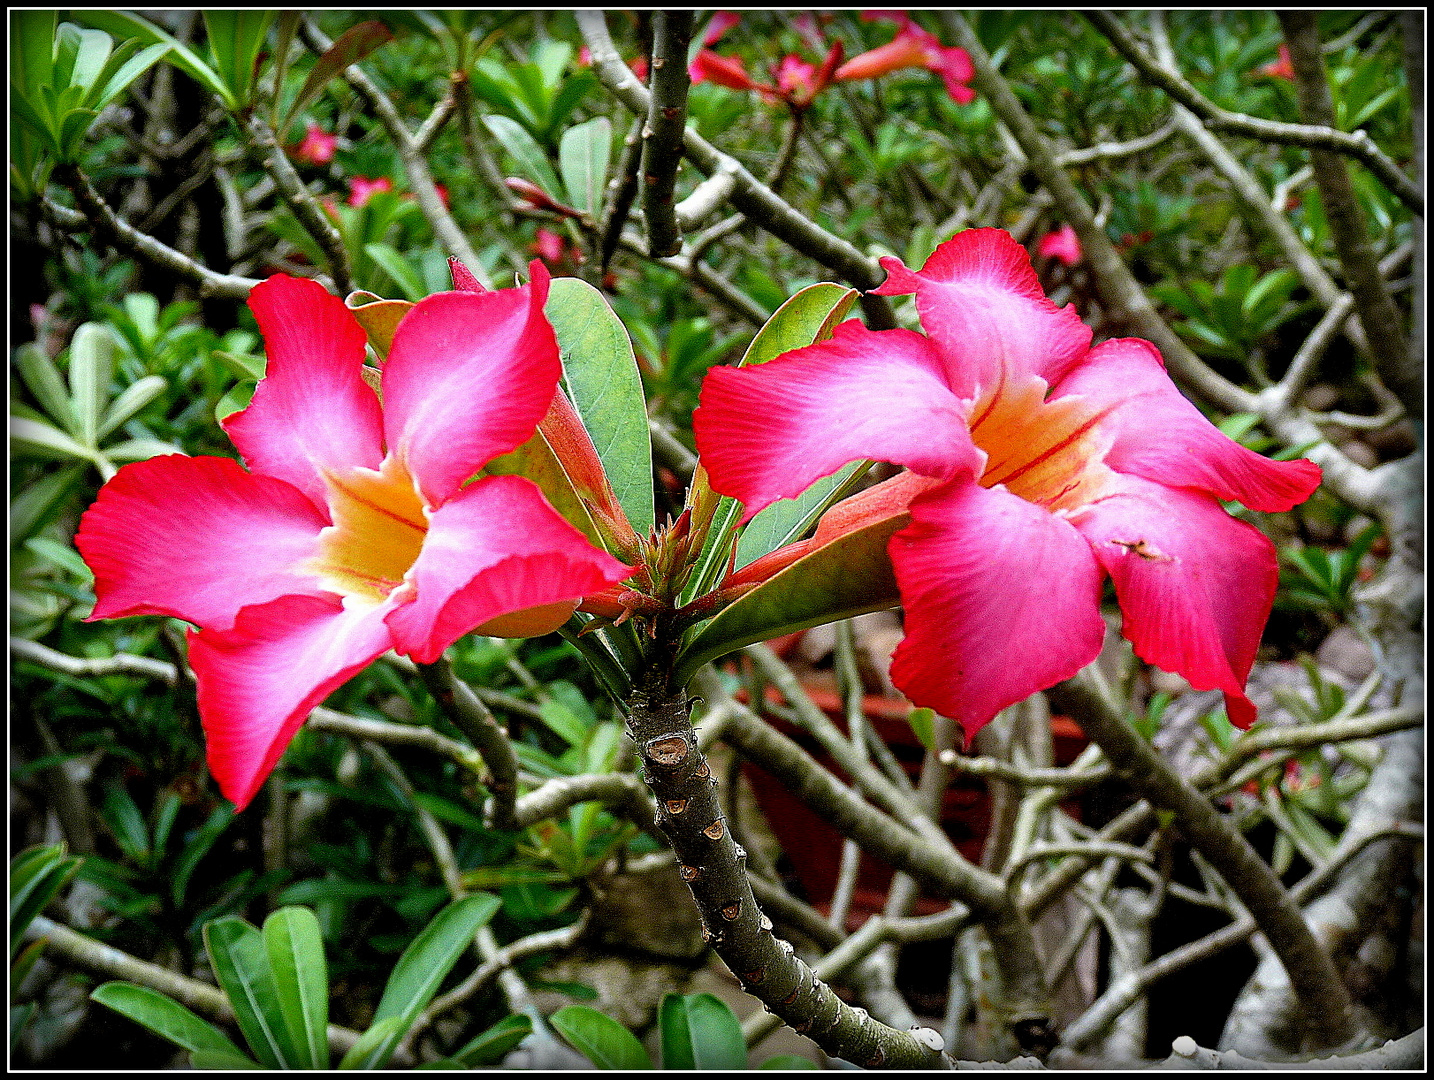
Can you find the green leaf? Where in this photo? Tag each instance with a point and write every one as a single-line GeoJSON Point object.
{"type": "Point", "coordinates": [235, 37]}
{"type": "Point", "coordinates": [237, 954]}
{"type": "Point", "coordinates": [33, 508]}
{"type": "Point", "coordinates": [491, 1046]}
{"type": "Point", "coordinates": [376, 1044]}
{"type": "Point", "coordinates": [165, 1017]}
{"type": "Point", "coordinates": [134, 398]}
{"type": "Point", "coordinates": [236, 398]}
{"type": "Point", "coordinates": [123, 25]}
{"type": "Point", "coordinates": [849, 576]}
{"type": "Point", "coordinates": [424, 964]}
{"type": "Point", "coordinates": [91, 369]}
{"type": "Point", "coordinates": [36, 876]}
{"type": "Point", "coordinates": [351, 46]}
{"type": "Point", "coordinates": [536, 460]}
{"type": "Point", "coordinates": [139, 449]}
{"type": "Point", "coordinates": [198, 846]}
{"type": "Point", "coordinates": [43, 380]}
{"type": "Point", "coordinates": [583, 156]}
{"type": "Point", "coordinates": [599, 1038]}
{"type": "Point", "coordinates": [923, 726]}
{"type": "Point", "coordinates": [62, 555]}
{"type": "Point", "coordinates": [787, 520]}
{"type": "Point", "coordinates": [36, 436]}
{"type": "Point", "coordinates": [606, 390]}
{"type": "Point", "coordinates": [788, 1062]}
{"type": "Point", "coordinates": [222, 1060]}
{"type": "Point", "coordinates": [532, 162]}
{"type": "Point", "coordinates": [403, 273]}
{"type": "Point", "coordinates": [296, 956]}
{"type": "Point", "coordinates": [699, 1031]}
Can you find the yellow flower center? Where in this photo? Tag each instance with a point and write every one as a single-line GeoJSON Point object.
{"type": "Point", "coordinates": [378, 530]}
{"type": "Point", "coordinates": [1047, 452]}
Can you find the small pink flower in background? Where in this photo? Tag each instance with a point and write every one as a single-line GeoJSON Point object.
{"type": "Point", "coordinates": [720, 24]}
{"type": "Point", "coordinates": [549, 246]}
{"type": "Point", "coordinates": [442, 190]}
{"type": "Point", "coordinates": [317, 147]}
{"type": "Point", "coordinates": [1281, 68]}
{"type": "Point", "coordinates": [913, 46]}
{"type": "Point", "coordinates": [355, 530]}
{"type": "Point", "coordinates": [1063, 244]}
{"type": "Point", "coordinates": [728, 71]}
{"type": "Point", "coordinates": [1041, 465]}
{"type": "Point", "coordinates": [361, 189]}
{"type": "Point", "coordinates": [796, 77]}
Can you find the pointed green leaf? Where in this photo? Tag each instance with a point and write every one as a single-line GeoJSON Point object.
{"type": "Point", "coordinates": [583, 155]}
{"type": "Point", "coordinates": [350, 47]}
{"type": "Point", "coordinates": [532, 162]}
{"type": "Point", "coordinates": [235, 37]}
{"type": "Point", "coordinates": [222, 1060]}
{"type": "Point", "coordinates": [36, 876]}
{"type": "Point", "coordinates": [32, 48]}
{"type": "Point", "coordinates": [599, 1038]}
{"type": "Point", "coordinates": [35, 436]}
{"type": "Point", "coordinates": [165, 1017]}
{"type": "Point", "coordinates": [34, 507]}
{"type": "Point", "coordinates": [923, 726]}
{"type": "Point", "coordinates": [536, 460]}
{"type": "Point", "coordinates": [117, 81]}
{"type": "Point", "coordinates": [606, 389]}
{"type": "Point", "coordinates": [491, 1046]}
{"type": "Point", "coordinates": [423, 965]}
{"type": "Point", "coordinates": [124, 25]}
{"type": "Point", "coordinates": [43, 380]}
{"type": "Point", "coordinates": [788, 1062]}
{"type": "Point", "coordinates": [237, 954]}
{"type": "Point", "coordinates": [699, 1031]}
{"type": "Point", "coordinates": [296, 956]}
{"type": "Point", "coordinates": [400, 270]}
{"type": "Point", "coordinates": [849, 576]}
{"type": "Point", "coordinates": [92, 353]}
{"type": "Point", "coordinates": [237, 397]}
{"type": "Point", "coordinates": [94, 47]}
{"type": "Point", "coordinates": [376, 1044]}
{"type": "Point", "coordinates": [787, 520]}
{"type": "Point", "coordinates": [134, 398]}
{"type": "Point", "coordinates": [140, 450]}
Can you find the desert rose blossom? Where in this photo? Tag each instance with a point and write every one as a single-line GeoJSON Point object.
{"type": "Point", "coordinates": [317, 147]}
{"type": "Point", "coordinates": [362, 188]}
{"type": "Point", "coordinates": [1282, 68]}
{"type": "Point", "coordinates": [1055, 464]}
{"type": "Point", "coordinates": [355, 529]}
{"type": "Point", "coordinates": [1063, 244]}
{"type": "Point", "coordinates": [913, 46]}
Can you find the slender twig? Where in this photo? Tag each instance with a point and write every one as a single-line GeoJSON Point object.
{"type": "Point", "coordinates": [705, 198]}
{"type": "Point", "coordinates": [623, 191]}
{"type": "Point", "coordinates": [615, 789]}
{"type": "Point", "coordinates": [98, 214]}
{"type": "Point", "coordinates": [1346, 219]}
{"type": "Point", "coordinates": [435, 121]}
{"type": "Point", "coordinates": [471, 716]}
{"type": "Point", "coordinates": [1113, 151]}
{"type": "Point", "coordinates": [1322, 136]}
{"type": "Point", "coordinates": [662, 134]}
{"type": "Point", "coordinates": [1063, 778]}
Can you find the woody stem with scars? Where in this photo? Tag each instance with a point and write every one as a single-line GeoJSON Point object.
{"type": "Point", "coordinates": [712, 865]}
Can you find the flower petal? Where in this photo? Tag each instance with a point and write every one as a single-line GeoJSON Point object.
{"type": "Point", "coordinates": [197, 538]}
{"type": "Point", "coordinates": [259, 681]}
{"type": "Point", "coordinates": [1002, 599]}
{"type": "Point", "coordinates": [1194, 583]}
{"type": "Point", "coordinates": [312, 410]}
{"type": "Point", "coordinates": [767, 432]}
{"type": "Point", "coordinates": [468, 378]}
{"type": "Point", "coordinates": [1163, 437]}
{"type": "Point", "coordinates": [497, 548]}
{"type": "Point", "coordinates": [982, 303]}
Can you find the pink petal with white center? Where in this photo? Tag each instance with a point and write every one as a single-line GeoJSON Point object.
{"type": "Point", "coordinates": [1163, 437]}
{"type": "Point", "coordinates": [982, 303]}
{"type": "Point", "coordinates": [497, 548]}
{"type": "Point", "coordinates": [312, 410]}
{"type": "Point", "coordinates": [1002, 599]}
{"type": "Point", "coordinates": [197, 538]}
{"type": "Point", "coordinates": [768, 431]}
{"type": "Point", "coordinates": [259, 681]}
{"type": "Point", "coordinates": [468, 378]}
{"type": "Point", "coordinates": [1194, 583]}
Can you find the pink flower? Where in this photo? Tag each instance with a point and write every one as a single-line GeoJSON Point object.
{"type": "Point", "coordinates": [549, 246]}
{"type": "Point", "coordinates": [355, 530]}
{"type": "Point", "coordinates": [1281, 68]}
{"type": "Point", "coordinates": [913, 47]}
{"type": "Point", "coordinates": [728, 71]}
{"type": "Point", "coordinates": [361, 189]}
{"type": "Point", "coordinates": [720, 24]}
{"type": "Point", "coordinates": [318, 146]}
{"type": "Point", "coordinates": [1063, 244]}
{"type": "Point", "coordinates": [1051, 464]}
